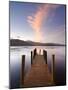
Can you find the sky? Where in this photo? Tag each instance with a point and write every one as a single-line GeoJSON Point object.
{"type": "Point", "coordinates": [37, 22]}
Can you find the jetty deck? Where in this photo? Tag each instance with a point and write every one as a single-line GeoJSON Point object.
{"type": "Point", "coordinates": [39, 74]}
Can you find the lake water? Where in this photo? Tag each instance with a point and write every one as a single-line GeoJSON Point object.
{"type": "Point", "coordinates": [16, 53]}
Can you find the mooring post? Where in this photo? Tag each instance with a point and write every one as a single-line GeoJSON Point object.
{"type": "Point", "coordinates": [31, 57]}
{"type": "Point", "coordinates": [45, 55]}
{"type": "Point", "coordinates": [53, 67]}
{"type": "Point", "coordinates": [35, 52]}
{"type": "Point", "coordinates": [22, 70]}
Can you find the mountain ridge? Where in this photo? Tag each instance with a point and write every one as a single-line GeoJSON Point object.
{"type": "Point", "coordinates": [17, 42]}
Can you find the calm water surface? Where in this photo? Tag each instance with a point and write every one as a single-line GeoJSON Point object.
{"type": "Point", "coordinates": [15, 62]}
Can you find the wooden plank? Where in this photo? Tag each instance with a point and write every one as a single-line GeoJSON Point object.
{"type": "Point", "coordinates": [39, 74]}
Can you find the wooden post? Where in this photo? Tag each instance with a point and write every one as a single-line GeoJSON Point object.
{"type": "Point", "coordinates": [40, 52]}
{"type": "Point", "coordinates": [22, 70]}
{"type": "Point", "coordinates": [35, 52]}
{"type": "Point", "coordinates": [45, 55]}
{"type": "Point", "coordinates": [53, 67]}
{"type": "Point", "coordinates": [31, 57]}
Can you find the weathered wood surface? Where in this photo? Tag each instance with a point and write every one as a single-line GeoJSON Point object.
{"type": "Point", "coordinates": [39, 74]}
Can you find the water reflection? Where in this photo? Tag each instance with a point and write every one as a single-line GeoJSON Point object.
{"type": "Point", "coordinates": [15, 62]}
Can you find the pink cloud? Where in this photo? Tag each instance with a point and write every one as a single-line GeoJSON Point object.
{"type": "Point", "coordinates": [36, 20]}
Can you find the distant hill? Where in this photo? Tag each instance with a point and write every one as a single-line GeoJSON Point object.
{"type": "Point", "coordinates": [17, 42]}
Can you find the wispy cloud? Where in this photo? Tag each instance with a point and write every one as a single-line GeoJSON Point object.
{"type": "Point", "coordinates": [36, 20]}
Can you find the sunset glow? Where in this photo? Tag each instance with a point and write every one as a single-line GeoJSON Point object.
{"type": "Point", "coordinates": [37, 22]}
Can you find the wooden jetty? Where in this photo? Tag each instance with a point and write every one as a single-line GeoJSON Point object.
{"type": "Point", "coordinates": [39, 74]}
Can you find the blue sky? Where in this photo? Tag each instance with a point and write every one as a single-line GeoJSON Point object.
{"type": "Point", "coordinates": [52, 23]}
